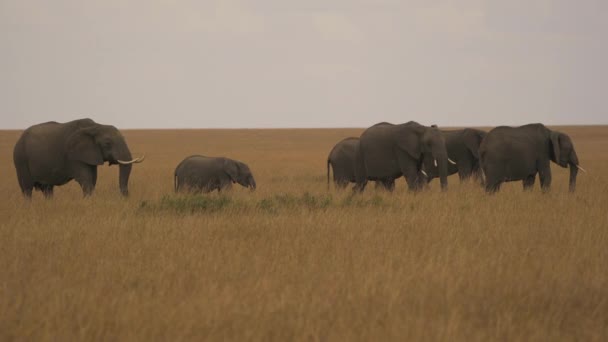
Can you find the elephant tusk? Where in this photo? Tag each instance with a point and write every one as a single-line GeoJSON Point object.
{"type": "Point", "coordinates": [580, 168]}
{"type": "Point", "coordinates": [424, 173]}
{"type": "Point", "coordinates": [451, 161]}
{"type": "Point", "coordinates": [134, 161]}
{"type": "Point", "coordinates": [435, 162]}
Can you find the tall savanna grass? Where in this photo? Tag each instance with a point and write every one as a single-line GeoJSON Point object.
{"type": "Point", "coordinates": [295, 261]}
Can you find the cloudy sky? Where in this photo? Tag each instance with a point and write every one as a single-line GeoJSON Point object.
{"type": "Point", "coordinates": [313, 63]}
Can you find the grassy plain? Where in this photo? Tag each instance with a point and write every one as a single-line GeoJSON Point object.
{"type": "Point", "coordinates": [293, 261]}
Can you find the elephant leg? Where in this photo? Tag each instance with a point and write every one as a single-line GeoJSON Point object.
{"type": "Point", "coordinates": [86, 176]}
{"type": "Point", "coordinates": [389, 184]}
{"type": "Point", "coordinates": [464, 171]}
{"type": "Point", "coordinates": [386, 184]}
{"type": "Point", "coordinates": [379, 185]}
{"type": "Point", "coordinates": [411, 171]}
{"type": "Point", "coordinates": [477, 175]}
{"type": "Point", "coordinates": [208, 186]}
{"type": "Point", "coordinates": [360, 172]}
{"type": "Point", "coordinates": [426, 180]}
{"type": "Point", "coordinates": [493, 186]}
{"type": "Point", "coordinates": [340, 183]}
{"type": "Point", "coordinates": [27, 186]}
{"type": "Point", "coordinates": [197, 186]}
{"type": "Point", "coordinates": [27, 192]}
{"type": "Point", "coordinates": [413, 179]}
{"type": "Point", "coordinates": [25, 181]}
{"type": "Point", "coordinates": [528, 182]}
{"type": "Point", "coordinates": [47, 191]}
{"type": "Point", "coordinates": [226, 186]}
{"type": "Point", "coordinates": [544, 174]}
{"type": "Point", "coordinates": [360, 186]}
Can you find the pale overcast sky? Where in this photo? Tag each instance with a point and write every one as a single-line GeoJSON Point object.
{"type": "Point", "coordinates": [309, 63]}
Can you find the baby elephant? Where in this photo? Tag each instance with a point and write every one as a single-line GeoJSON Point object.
{"type": "Point", "coordinates": [205, 174]}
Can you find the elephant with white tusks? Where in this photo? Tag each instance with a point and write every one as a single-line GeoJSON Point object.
{"type": "Point", "coordinates": [51, 154]}
{"type": "Point", "coordinates": [463, 153]}
{"type": "Point", "coordinates": [519, 153]}
{"type": "Point", "coordinates": [205, 174]}
{"type": "Point", "coordinates": [387, 152]}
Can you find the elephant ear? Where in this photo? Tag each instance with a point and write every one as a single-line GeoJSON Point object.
{"type": "Point", "coordinates": [81, 146]}
{"type": "Point", "coordinates": [472, 140]}
{"type": "Point", "coordinates": [555, 145]}
{"type": "Point", "coordinates": [243, 168]}
{"type": "Point", "coordinates": [408, 140]}
{"type": "Point", "coordinates": [232, 169]}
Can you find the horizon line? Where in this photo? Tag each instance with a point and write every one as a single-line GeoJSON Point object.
{"type": "Point", "coordinates": [311, 127]}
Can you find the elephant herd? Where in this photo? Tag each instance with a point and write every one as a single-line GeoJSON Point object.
{"type": "Point", "coordinates": [51, 154]}
{"type": "Point", "coordinates": [385, 152]}
{"type": "Point", "coordinates": [462, 148]}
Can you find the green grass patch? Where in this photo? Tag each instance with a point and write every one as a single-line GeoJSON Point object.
{"type": "Point", "coordinates": [189, 204]}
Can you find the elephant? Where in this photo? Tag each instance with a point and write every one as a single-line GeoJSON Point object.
{"type": "Point", "coordinates": [205, 174]}
{"type": "Point", "coordinates": [519, 153]}
{"type": "Point", "coordinates": [342, 161]}
{"type": "Point", "coordinates": [463, 154]}
{"type": "Point", "coordinates": [52, 154]}
{"type": "Point", "coordinates": [387, 152]}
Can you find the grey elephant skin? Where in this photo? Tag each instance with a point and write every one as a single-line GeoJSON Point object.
{"type": "Point", "coordinates": [205, 174]}
{"type": "Point", "coordinates": [519, 153]}
{"type": "Point", "coordinates": [52, 154]}
{"type": "Point", "coordinates": [341, 159]}
{"type": "Point", "coordinates": [387, 152]}
{"type": "Point", "coordinates": [463, 150]}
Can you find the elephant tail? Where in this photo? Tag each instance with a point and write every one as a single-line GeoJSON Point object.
{"type": "Point", "coordinates": [328, 163]}
{"type": "Point", "coordinates": [175, 182]}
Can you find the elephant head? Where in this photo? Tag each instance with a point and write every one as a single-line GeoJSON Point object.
{"type": "Point", "coordinates": [239, 173]}
{"type": "Point", "coordinates": [428, 146]}
{"type": "Point", "coordinates": [97, 144]}
{"type": "Point", "coordinates": [563, 154]}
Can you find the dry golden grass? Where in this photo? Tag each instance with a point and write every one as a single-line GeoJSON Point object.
{"type": "Point", "coordinates": [294, 262]}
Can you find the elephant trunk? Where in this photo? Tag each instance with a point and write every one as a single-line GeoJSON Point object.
{"type": "Point", "coordinates": [124, 170]}
{"type": "Point", "coordinates": [573, 173]}
{"type": "Point", "coordinates": [123, 179]}
{"type": "Point", "coordinates": [573, 170]}
{"type": "Point", "coordinates": [441, 157]}
{"type": "Point", "coordinates": [252, 184]}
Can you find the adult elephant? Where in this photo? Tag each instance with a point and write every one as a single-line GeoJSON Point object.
{"type": "Point", "coordinates": [51, 154]}
{"type": "Point", "coordinates": [519, 153]}
{"type": "Point", "coordinates": [387, 152]}
{"type": "Point", "coordinates": [205, 174]}
{"type": "Point", "coordinates": [463, 152]}
{"type": "Point", "coordinates": [341, 159]}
